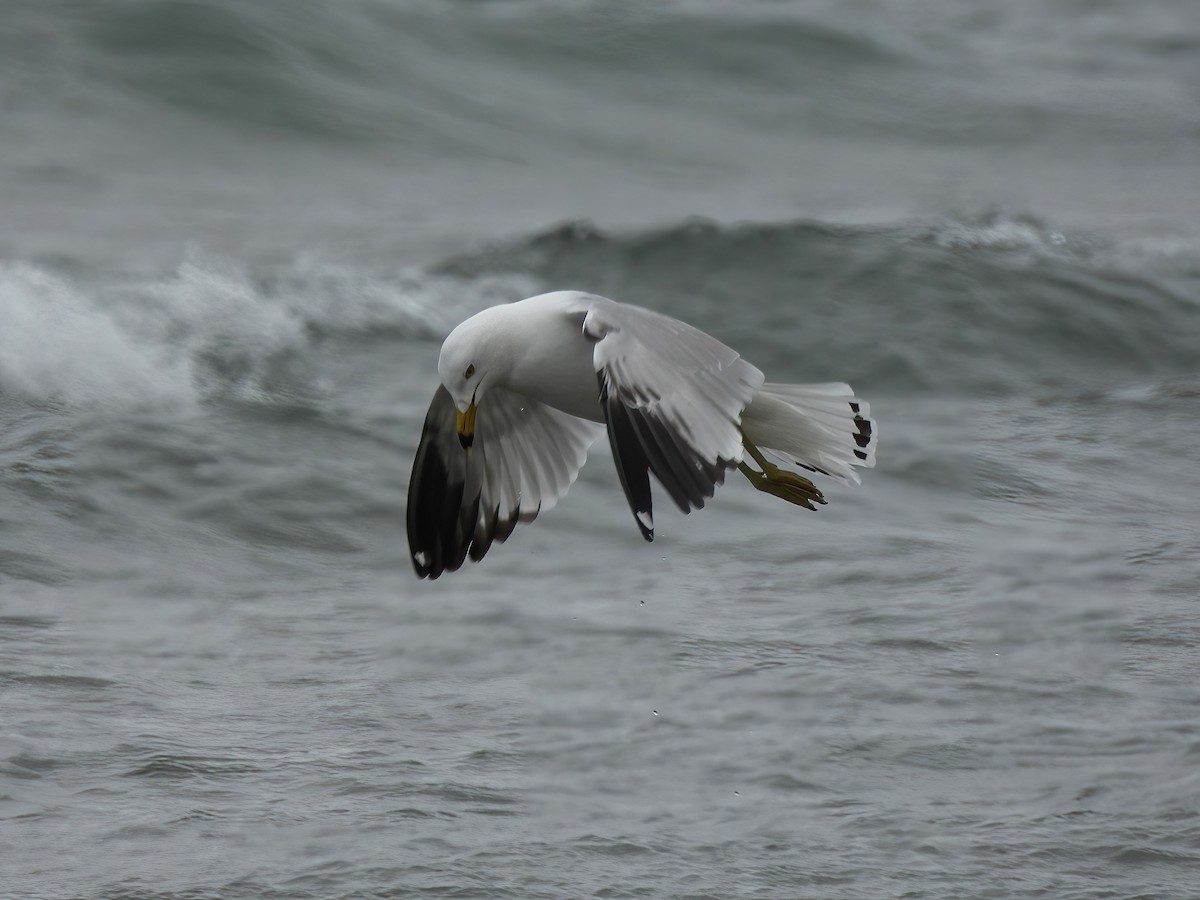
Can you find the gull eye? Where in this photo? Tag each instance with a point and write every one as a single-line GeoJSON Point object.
{"type": "Point", "coordinates": [470, 371]}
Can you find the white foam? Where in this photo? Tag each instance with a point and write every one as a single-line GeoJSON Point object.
{"type": "Point", "coordinates": [58, 345]}
{"type": "Point", "coordinates": [412, 301]}
{"type": "Point", "coordinates": [215, 319]}
{"type": "Point", "coordinates": [998, 232]}
{"type": "Point", "coordinates": [209, 328]}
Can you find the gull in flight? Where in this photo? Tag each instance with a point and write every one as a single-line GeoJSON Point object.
{"type": "Point", "coordinates": [527, 387]}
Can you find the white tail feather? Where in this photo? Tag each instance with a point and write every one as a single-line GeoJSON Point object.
{"type": "Point", "coordinates": [821, 427]}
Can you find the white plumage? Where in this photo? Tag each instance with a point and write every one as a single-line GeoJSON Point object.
{"type": "Point", "coordinates": [528, 386]}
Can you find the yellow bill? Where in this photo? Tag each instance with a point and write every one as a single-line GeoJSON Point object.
{"type": "Point", "coordinates": [466, 427]}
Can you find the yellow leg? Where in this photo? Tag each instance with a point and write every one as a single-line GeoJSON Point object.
{"type": "Point", "coordinates": [774, 480]}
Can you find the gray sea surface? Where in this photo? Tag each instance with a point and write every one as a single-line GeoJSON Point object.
{"type": "Point", "coordinates": [234, 236]}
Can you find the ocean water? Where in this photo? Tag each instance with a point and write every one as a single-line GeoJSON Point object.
{"type": "Point", "coordinates": [233, 237]}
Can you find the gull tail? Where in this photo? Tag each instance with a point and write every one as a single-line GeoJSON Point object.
{"type": "Point", "coordinates": [817, 427]}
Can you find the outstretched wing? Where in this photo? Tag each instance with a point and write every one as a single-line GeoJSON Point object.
{"type": "Point", "coordinates": [524, 458]}
{"type": "Point", "coordinates": [673, 398]}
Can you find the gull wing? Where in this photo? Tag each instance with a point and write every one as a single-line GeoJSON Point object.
{"type": "Point", "coordinates": [524, 458]}
{"type": "Point", "coordinates": [673, 398]}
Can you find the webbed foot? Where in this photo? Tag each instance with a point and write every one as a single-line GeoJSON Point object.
{"type": "Point", "coordinates": [783, 484]}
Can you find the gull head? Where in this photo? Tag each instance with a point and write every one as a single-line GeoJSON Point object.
{"type": "Point", "coordinates": [467, 366]}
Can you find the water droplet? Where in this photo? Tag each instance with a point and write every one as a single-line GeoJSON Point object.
{"type": "Point", "coordinates": [641, 603]}
{"type": "Point", "coordinates": [655, 711]}
{"type": "Point", "coordinates": [737, 793]}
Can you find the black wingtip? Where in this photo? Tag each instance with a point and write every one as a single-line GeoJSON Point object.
{"type": "Point", "coordinates": [645, 522]}
{"type": "Point", "coordinates": [441, 513]}
{"type": "Point", "coordinates": [633, 468]}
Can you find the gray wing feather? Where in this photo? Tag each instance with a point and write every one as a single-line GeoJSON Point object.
{"type": "Point", "coordinates": [673, 398]}
{"type": "Point", "coordinates": [524, 458]}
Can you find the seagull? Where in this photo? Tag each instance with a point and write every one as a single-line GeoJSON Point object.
{"type": "Point", "coordinates": [526, 388]}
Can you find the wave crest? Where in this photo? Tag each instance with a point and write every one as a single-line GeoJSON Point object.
{"type": "Point", "coordinates": [209, 329]}
{"type": "Point", "coordinates": [997, 302]}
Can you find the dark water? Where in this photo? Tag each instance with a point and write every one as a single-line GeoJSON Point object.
{"type": "Point", "coordinates": [233, 237]}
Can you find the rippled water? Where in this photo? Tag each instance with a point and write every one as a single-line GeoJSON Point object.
{"type": "Point", "coordinates": [236, 235]}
